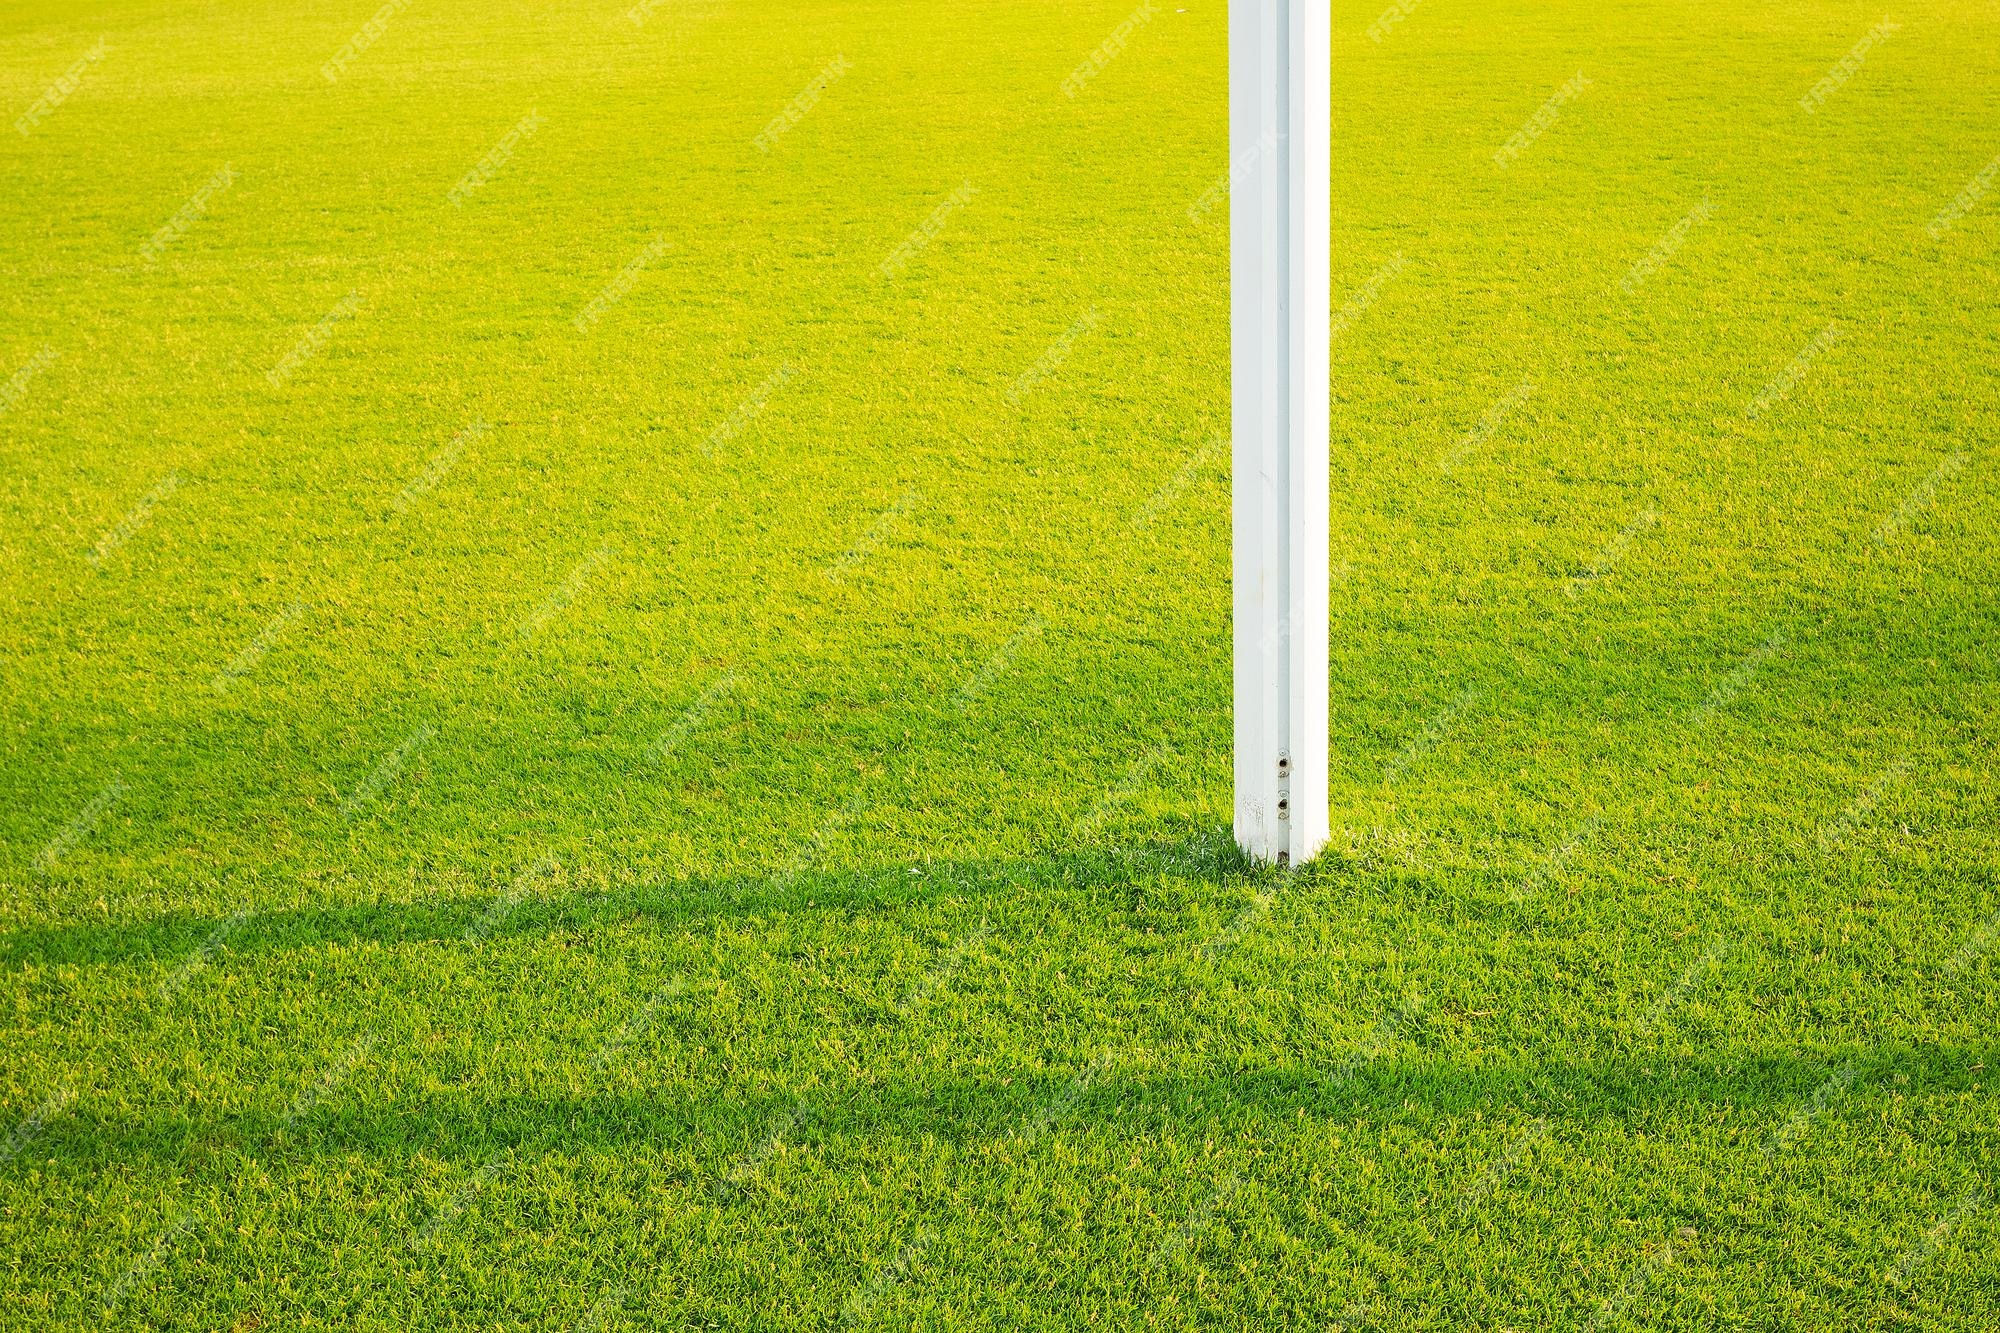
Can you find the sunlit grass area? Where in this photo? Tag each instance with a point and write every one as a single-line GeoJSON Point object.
{"type": "Point", "coordinates": [614, 657]}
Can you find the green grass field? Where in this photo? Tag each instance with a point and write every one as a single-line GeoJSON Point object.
{"type": "Point", "coordinates": [593, 741]}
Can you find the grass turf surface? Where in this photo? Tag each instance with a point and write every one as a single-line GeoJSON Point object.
{"type": "Point", "coordinates": [713, 818]}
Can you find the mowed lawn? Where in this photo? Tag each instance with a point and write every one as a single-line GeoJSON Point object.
{"type": "Point", "coordinates": [608, 725]}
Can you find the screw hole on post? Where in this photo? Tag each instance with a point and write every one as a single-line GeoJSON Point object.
{"type": "Point", "coordinates": [1284, 807]}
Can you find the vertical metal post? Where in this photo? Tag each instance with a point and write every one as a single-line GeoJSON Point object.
{"type": "Point", "coordinates": [1279, 151]}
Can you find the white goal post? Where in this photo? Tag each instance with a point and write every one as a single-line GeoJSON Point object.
{"type": "Point", "coordinates": [1280, 143]}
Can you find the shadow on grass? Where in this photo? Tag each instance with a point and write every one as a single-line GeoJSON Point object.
{"type": "Point", "coordinates": [1209, 855]}
{"type": "Point", "coordinates": [708, 1136]}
